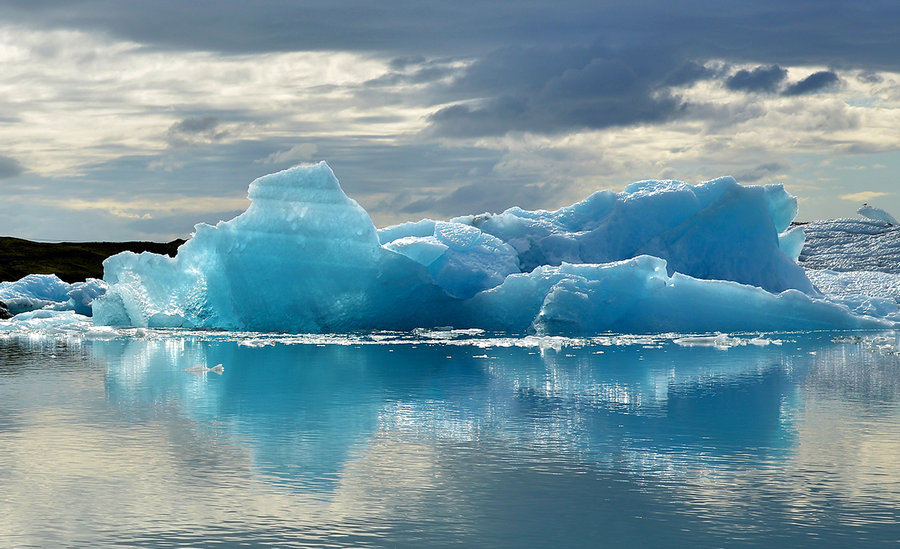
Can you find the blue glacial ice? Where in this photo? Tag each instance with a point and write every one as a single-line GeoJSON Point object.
{"type": "Point", "coordinates": [660, 256]}
{"type": "Point", "coordinates": [303, 258]}
{"type": "Point", "coordinates": [43, 291]}
{"type": "Point", "coordinates": [715, 230]}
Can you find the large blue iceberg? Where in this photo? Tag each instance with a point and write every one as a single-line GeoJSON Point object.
{"type": "Point", "coordinates": [660, 256]}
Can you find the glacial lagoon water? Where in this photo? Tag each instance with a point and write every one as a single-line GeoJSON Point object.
{"type": "Point", "coordinates": [438, 439]}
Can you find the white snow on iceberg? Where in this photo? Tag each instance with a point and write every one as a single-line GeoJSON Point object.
{"type": "Point", "coordinates": [661, 256]}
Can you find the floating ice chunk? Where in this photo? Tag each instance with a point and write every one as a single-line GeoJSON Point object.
{"type": "Point", "coordinates": [38, 291]}
{"type": "Point", "coordinates": [33, 292]}
{"type": "Point", "coordinates": [761, 341]}
{"type": "Point", "coordinates": [446, 333]}
{"type": "Point", "coordinates": [876, 214]}
{"type": "Point", "coordinates": [718, 341]}
{"type": "Point", "coordinates": [82, 294]}
{"type": "Point", "coordinates": [199, 369]}
{"type": "Point", "coordinates": [256, 342]}
{"type": "Point", "coordinates": [45, 321]}
{"type": "Point", "coordinates": [37, 286]}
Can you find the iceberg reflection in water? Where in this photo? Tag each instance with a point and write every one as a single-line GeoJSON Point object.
{"type": "Point", "coordinates": [449, 439]}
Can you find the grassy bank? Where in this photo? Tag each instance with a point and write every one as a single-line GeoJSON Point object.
{"type": "Point", "coordinates": [70, 261]}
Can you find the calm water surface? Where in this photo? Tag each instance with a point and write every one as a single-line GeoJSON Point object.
{"type": "Point", "coordinates": [111, 443]}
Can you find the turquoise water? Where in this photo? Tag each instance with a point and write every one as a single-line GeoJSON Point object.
{"type": "Point", "coordinates": [448, 440]}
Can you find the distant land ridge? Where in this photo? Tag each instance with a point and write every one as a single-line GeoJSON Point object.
{"type": "Point", "coordinates": [70, 261]}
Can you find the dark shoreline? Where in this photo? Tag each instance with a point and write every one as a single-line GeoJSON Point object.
{"type": "Point", "coordinates": [70, 261]}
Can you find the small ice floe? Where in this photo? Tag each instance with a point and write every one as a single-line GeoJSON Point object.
{"type": "Point", "coordinates": [886, 350]}
{"type": "Point", "coordinates": [718, 341]}
{"type": "Point", "coordinates": [256, 342]}
{"type": "Point", "coordinates": [878, 344]}
{"type": "Point", "coordinates": [761, 341]}
{"type": "Point", "coordinates": [724, 341]}
{"type": "Point", "coordinates": [199, 369]}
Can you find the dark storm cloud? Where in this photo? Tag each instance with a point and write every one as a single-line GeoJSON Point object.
{"type": "Point", "coordinates": [400, 63]}
{"type": "Point", "coordinates": [760, 79]}
{"type": "Point", "coordinates": [531, 68]}
{"type": "Point", "coordinates": [10, 167]}
{"type": "Point", "coordinates": [195, 125]}
{"type": "Point", "coordinates": [828, 32]}
{"type": "Point", "coordinates": [870, 78]}
{"type": "Point", "coordinates": [813, 83]}
{"type": "Point", "coordinates": [420, 73]}
{"type": "Point", "coordinates": [406, 28]}
{"type": "Point", "coordinates": [689, 73]}
{"type": "Point", "coordinates": [551, 91]}
{"type": "Point", "coordinates": [195, 129]}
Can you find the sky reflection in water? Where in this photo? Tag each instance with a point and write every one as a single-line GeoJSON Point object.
{"type": "Point", "coordinates": [113, 442]}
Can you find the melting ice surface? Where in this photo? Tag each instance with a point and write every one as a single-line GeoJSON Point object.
{"type": "Point", "coordinates": [660, 256]}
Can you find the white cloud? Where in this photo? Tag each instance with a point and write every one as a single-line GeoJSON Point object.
{"type": "Point", "coordinates": [863, 196]}
{"type": "Point", "coordinates": [141, 208]}
{"type": "Point", "coordinates": [80, 99]}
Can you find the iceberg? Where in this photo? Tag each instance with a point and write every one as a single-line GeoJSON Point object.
{"type": "Point", "coordinates": [304, 257]}
{"type": "Point", "coordinates": [877, 214]}
{"type": "Point", "coordinates": [659, 256]}
{"type": "Point", "coordinates": [47, 291]}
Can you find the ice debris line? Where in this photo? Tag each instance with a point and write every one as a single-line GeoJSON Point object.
{"type": "Point", "coordinates": [660, 256]}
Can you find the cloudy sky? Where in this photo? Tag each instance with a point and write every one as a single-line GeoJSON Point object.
{"type": "Point", "coordinates": [136, 120]}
